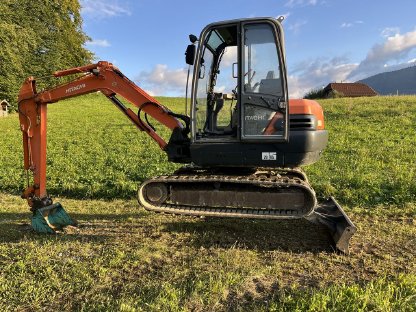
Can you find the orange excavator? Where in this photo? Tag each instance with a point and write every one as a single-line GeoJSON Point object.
{"type": "Point", "coordinates": [242, 140]}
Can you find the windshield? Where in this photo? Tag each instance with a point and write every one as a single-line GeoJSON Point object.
{"type": "Point", "coordinates": [261, 61]}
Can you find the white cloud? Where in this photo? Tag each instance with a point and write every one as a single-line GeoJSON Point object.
{"type": "Point", "coordinates": [98, 43]}
{"type": "Point", "coordinates": [351, 24]}
{"type": "Point", "coordinates": [393, 51]}
{"type": "Point", "coordinates": [390, 31]}
{"type": "Point", "coordinates": [99, 9]}
{"type": "Point", "coordinates": [317, 73]}
{"type": "Point", "coordinates": [297, 3]}
{"type": "Point", "coordinates": [220, 89]}
{"type": "Point", "coordinates": [162, 80]}
{"type": "Point", "coordinates": [229, 57]}
{"type": "Point", "coordinates": [392, 54]}
{"type": "Point", "coordinates": [296, 27]}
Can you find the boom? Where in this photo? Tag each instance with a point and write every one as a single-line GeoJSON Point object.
{"type": "Point", "coordinates": [104, 77]}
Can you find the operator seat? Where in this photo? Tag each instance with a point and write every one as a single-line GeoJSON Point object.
{"type": "Point", "coordinates": [270, 85]}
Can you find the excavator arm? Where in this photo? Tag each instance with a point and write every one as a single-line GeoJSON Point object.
{"type": "Point", "coordinates": [102, 76]}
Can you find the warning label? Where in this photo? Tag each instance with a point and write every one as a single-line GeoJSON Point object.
{"type": "Point", "coordinates": [268, 156]}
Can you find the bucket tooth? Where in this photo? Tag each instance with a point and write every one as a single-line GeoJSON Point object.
{"type": "Point", "coordinates": [339, 225]}
{"type": "Point", "coordinates": [50, 219]}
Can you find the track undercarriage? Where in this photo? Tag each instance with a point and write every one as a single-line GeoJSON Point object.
{"type": "Point", "coordinates": [259, 194]}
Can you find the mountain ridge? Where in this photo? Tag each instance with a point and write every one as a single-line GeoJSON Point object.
{"type": "Point", "coordinates": [401, 81]}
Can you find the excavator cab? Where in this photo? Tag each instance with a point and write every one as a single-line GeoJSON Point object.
{"type": "Point", "coordinates": [239, 90]}
{"type": "Point", "coordinates": [239, 103]}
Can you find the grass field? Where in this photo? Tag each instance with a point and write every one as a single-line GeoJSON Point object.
{"type": "Point", "coordinates": [124, 258]}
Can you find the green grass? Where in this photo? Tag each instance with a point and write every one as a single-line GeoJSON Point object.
{"type": "Point", "coordinates": [93, 151]}
{"type": "Point", "coordinates": [371, 155]}
{"type": "Point", "coordinates": [124, 258]}
{"type": "Point", "coordinates": [368, 161]}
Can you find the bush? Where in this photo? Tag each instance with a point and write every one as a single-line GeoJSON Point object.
{"type": "Point", "coordinates": [334, 94]}
{"type": "Point", "coordinates": [322, 94]}
{"type": "Point", "coordinates": [315, 94]}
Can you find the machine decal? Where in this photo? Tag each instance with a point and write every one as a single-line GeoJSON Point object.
{"type": "Point", "coordinates": [75, 88]}
{"type": "Point", "coordinates": [268, 156]}
{"type": "Point", "coordinates": [255, 117]}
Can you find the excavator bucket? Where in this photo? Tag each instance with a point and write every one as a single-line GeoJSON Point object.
{"type": "Point", "coordinates": [331, 215]}
{"type": "Point", "coordinates": [50, 219]}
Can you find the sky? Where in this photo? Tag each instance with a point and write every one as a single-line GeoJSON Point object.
{"type": "Point", "coordinates": [326, 40]}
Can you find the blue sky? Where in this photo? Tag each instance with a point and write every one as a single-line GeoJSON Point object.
{"type": "Point", "coordinates": [326, 40]}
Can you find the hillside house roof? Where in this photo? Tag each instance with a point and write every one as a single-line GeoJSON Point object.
{"type": "Point", "coordinates": [350, 89]}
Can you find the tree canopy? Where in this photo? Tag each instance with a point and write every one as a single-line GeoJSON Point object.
{"type": "Point", "coordinates": [36, 39]}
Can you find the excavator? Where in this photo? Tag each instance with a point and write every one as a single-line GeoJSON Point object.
{"type": "Point", "coordinates": [242, 142]}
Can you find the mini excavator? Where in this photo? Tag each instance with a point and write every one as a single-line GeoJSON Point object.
{"type": "Point", "coordinates": [242, 140]}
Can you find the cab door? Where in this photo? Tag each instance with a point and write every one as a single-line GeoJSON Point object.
{"type": "Point", "coordinates": [264, 99]}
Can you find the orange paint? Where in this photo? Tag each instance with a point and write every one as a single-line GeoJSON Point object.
{"type": "Point", "coordinates": [308, 107]}
{"type": "Point", "coordinates": [103, 77]}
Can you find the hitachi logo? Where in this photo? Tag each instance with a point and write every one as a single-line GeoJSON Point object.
{"type": "Point", "coordinates": [255, 117]}
{"type": "Point", "coordinates": [75, 88]}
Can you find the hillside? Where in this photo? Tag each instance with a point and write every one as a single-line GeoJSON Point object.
{"type": "Point", "coordinates": [402, 81]}
{"type": "Point", "coordinates": [122, 258]}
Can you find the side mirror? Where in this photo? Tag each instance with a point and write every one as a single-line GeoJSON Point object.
{"type": "Point", "coordinates": [193, 38]}
{"type": "Point", "coordinates": [190, 54]}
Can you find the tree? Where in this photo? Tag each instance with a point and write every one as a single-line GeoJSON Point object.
{"type": "Point", "coordinates": [36, 39]}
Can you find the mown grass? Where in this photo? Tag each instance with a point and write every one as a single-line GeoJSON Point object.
{"type": "Point", "coordinates": [371, 155]}
{"type": "Point", "coordinates": [123, 258]}
{"type": "Point", "coordinates": [94, 152]}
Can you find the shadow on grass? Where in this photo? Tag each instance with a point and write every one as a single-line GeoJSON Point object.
{"type": "Point", "coordinates": [297, 236]}
{"type": "Point", "coordinates": [15, 227]}
{"type": "Point", "coordinates": [12, 226]}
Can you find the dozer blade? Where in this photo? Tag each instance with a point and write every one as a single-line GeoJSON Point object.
{"type": "Point", "coordinates": [341, 228]}
{"type": "Point", "coordinates": [50, 219]}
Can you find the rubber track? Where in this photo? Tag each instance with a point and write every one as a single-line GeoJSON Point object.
{"type": "Point", "coordinates": [282, 178]}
